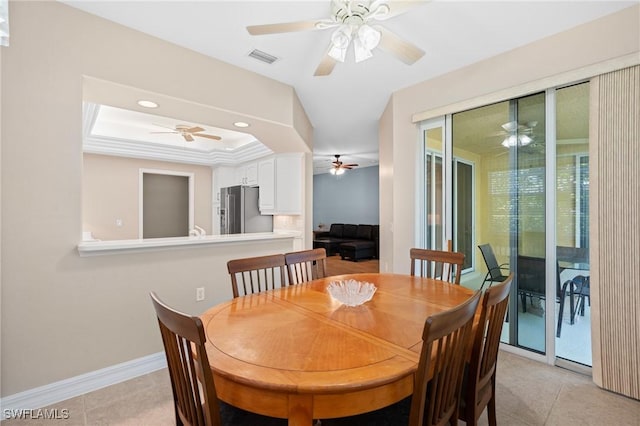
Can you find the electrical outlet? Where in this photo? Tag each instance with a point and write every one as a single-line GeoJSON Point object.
{"type": "Point", "coordinates": [199, 294]}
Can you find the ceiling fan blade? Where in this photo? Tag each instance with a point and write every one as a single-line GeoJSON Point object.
{"type": "Point", "coordinates": [397, 8]}
{"type": "Point", "coordinates": [402, 49]}
{"type": "Point", "coordinates": [166, 127]}
{"type": "Point", "coordinates": [285, 27]}
{"type": "Point", "coordinates": [326, 66]}
{"type": "Point", "coordinates": [188, 137]}
{"type": "Point", "coordinates": [349, 165]}
{"type": "Point", "coordinates": [195, 129]}
{"type": "Point", "coordinates": [203, 135]}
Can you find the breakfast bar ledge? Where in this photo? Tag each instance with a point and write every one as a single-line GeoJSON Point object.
{"type": "Point", "coordinates": [96, 247]}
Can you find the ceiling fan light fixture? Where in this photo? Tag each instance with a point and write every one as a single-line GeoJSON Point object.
{"type": "Point", "coordinates": [341, 37]}
{"type": "Point", "coordinates": [510, 141]}
{"type": "Point", "coordinates": [338, 54]}
{"type": "Point", "coordinates": [361, 52]}
{"type": "Point", "coordinates": [340, 40]}
{"type": "Point", "coordinates": [337, 171]}
{"type": "Point", "coordinates": [513, 140]}
{"type": "Point", "coordinates": [524, 140]}
{"type": "Point", "coordinates": [369, 37]}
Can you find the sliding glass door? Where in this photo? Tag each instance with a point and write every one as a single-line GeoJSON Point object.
{"type": "Point", "coordinates": [515, 175]}
{"type": "Point", "coordinates": [573, 323]}
{"type": "Point", "coordinates": [436, 206]}
{"type": "Point", "coordinates": [507, 143]}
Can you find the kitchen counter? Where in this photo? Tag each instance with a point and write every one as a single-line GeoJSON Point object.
{"type": "Point", "coordinates": [97, 247]}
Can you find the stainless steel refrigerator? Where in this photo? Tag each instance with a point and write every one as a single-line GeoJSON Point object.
{"type": "Point", "coordinates": [239, 211]}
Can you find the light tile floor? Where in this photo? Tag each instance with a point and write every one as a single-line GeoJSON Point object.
{"type": "Point", "coordinates": [528, 393]}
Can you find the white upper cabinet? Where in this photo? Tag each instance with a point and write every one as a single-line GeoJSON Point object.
{"type": "Point", "coordinates": [267, 187]}
{"type": "Point", "coordinates": [281, 191]}
{"type": "Point", "coordinates": [278, 177]}
{"type": "Point", "coordinates": [247, 174]}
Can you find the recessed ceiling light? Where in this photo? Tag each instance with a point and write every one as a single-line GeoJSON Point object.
{"type": "Point", "coordinates": [241, 124]}
{"type": "Point", "coordinates": [147, 104]}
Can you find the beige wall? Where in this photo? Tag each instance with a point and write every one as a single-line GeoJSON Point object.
{"type": "Point", "coordinates": [110, 191]}
{"type": "Point", "coordinates": [562, 58]}
{"type": "Point", "coordinates": [63, 315]}
{"type": "Point", "coordinates": [386, 188]}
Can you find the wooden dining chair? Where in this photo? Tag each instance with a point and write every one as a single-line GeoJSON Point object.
{"type": "Point", "coordinates": [449, 245]}
{"type": "Point", "coordinates": [479, 382]}
{"type": "Point", "coordinates": [183, 337]}
{"type": "Point", "coordinates": [443, 265]}
{"type": "Point", "coordinates": [445, 343]}
{"type": "Point", "coordinates": [194, 394]}
{"type": "Point", "coordinates": [306, 265]}
{"type": "Point", "coordinates": [256, 274]}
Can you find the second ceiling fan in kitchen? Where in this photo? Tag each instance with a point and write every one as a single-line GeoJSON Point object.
{"type": "Point", "coordinates": [338, 167]}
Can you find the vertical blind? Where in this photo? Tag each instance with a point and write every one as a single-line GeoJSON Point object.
{"type": "Point", "coordinates": [615, 230]}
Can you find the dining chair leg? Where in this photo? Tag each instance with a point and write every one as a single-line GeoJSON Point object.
{"type": "Point", "coordinates": [491, 405]}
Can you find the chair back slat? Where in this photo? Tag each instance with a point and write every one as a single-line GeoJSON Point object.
{"type": "Point", "coordinates": [306, 265]}
{"type": "Point", "coordinates": [442, 265]}
{"type": "Point", "coordinates": [256, 274]}
{"type": "Point", "coordinates": [480, 381]}
{"type": "Point", "coordinates": [194, 393]}
{"type": "Point", "coordinates": [446, 338]}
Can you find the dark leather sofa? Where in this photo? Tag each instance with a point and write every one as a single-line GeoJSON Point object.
{"type": "Point", "coordinates": [354, 242]}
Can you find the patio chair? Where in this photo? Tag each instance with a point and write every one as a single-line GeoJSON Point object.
{"type": "Point", "coordinates": [494, 271]}
{"type": "Point", "coordinates": [531, 283]}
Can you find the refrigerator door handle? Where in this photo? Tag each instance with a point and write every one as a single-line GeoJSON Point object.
{"type": "Point", "coordinates": [226, 216]}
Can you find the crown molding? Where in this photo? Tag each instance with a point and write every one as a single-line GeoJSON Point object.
{"type": "Point", "coordinates": [150, 151]}
{"type": "Point", "coordinates": [120, 147]}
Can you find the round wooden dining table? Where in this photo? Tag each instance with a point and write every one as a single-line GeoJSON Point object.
{"type": "Point", "coordinates": [297, 353]}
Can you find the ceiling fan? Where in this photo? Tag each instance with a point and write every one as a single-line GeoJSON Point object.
{"type": "Point", "coordinates": [355, 23]}
{"type": "Point", "coordinates": [338, 167]}
{"type": "Point", "coordinates": [516, 134]}
{"type": "Point", "coordinates": [188, 132]}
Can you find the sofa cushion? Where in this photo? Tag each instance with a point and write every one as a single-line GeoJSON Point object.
{"type": "Point", "coordinates": [350, 231]}
{"type": "Point", "coordinates": [364, 232]}
{"type": "Point", "coordinates": [336, 230]}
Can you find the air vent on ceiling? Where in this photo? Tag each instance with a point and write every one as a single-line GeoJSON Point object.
{"type": "Point", "coordinates": [262, 56]}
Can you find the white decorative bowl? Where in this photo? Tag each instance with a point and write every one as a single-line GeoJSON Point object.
{"type": "Point", "coordinates": [351, 292]}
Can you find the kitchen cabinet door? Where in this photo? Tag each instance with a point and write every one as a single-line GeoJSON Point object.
{"type": "Point", "coordinates": [266, 182]}
{"type": "Point", "coordinates": [247, 174]}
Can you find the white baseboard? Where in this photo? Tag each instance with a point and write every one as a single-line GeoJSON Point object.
{"type": "Point", "coordinates": [75, 386]}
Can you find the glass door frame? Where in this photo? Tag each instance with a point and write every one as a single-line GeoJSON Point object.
{"type": "Point", "coordinates": [421, 217]}
{"type": "Point", "coordinates": [445, 122]}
